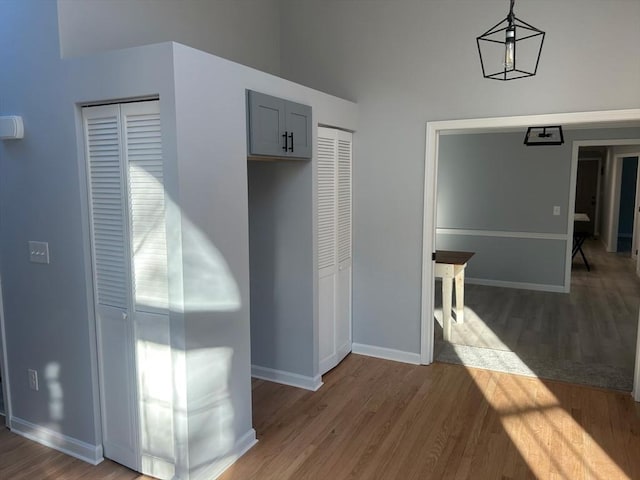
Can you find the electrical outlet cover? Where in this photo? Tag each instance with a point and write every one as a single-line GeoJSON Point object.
{"type": "Point", "coordinates": [33, 379]}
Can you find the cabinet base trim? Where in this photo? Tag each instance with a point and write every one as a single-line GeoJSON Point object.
{"type": "Point", "coordinates": [50, 438]}
{"type": "Point", "coordinates": [386, 353]}
{"type": "Point", "coordinates": [286, 378]}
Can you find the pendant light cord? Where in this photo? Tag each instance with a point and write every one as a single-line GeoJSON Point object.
{"type": "Point", "coordinates": [511, 16]}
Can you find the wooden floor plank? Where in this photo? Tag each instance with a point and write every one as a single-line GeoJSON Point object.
{"type": "Point", "coordinates": [376, 419]}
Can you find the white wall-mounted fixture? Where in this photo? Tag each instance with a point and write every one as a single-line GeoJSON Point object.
{"type": "Point", "coordinates": [11, 127]}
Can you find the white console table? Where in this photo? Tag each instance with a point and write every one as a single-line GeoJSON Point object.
{"type": "Point", "coordinates": [450, 265]}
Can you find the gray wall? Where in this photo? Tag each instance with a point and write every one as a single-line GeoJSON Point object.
{"type": "Point", "coordinates": [45, 306]}
{"type": "Point", "coordinates": [48, 308]}
{"type": "Point", "coordinates": [519, 262]}
{"type": "Point", "coordinates": [407, 62]}
{"type": "Point", "coordinates": [493, 182]}
{"type": "Point", "coordinates": [246, 31]}
{"type": "Point", "coordinates": [399, 60]}
{"type": "Point", "coordinates": [281, 255]}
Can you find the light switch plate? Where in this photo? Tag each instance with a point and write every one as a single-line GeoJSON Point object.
{"type": "Point", "coordinates": [556, 210]}
{"type": "Point", "coordinates": [39, 252]}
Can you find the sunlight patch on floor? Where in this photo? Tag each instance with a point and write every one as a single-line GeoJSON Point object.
{"type": "Point", "coordinates": [543, 431]}
{"type": "Point", "coordinates": [547, 433]}
{"type": "Point", "coordinates": [475, 328]}
{"type": "Point", "coordinates": [498, 360]}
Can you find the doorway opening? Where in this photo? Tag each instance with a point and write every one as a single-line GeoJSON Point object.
{"type": "Point", "coordinates": [628, 202]}
{"type": "Point", "coordinates": [434, 131]}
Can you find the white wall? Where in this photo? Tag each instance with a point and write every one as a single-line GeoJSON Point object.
{"type": "Point", "coordinates": [213, 199]}
{"type": "Point", "coordinates": [246, 31]}
{"type": "Point", "coordinates": [283, 274]}
{"type": "Point", "coordinates": [407, 62]}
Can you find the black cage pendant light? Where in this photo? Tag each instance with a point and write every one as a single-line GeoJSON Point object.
{"type": "Point", "coordinates": [511, 49]}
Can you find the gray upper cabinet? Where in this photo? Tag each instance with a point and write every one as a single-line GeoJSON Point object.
{"type": "Point", "coordinates": [298, 129]}
{"type": "Point", "coordinates": [278, 127]}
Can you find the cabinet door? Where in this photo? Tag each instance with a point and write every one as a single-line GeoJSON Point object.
{"type": "Point", "coordinates": [298, 129]}
{"type": "Point", "coordinates": [266, 125]}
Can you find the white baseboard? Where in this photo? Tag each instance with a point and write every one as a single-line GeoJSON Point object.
{"type": "Point", "coordinates": [520, 285]}
{"type": "Point", "coordinates": [215, 469]}
{"type": "Point", "coordinates": [84, 451]}
{"type": "Point", "coordinates": [386, 353]}
{"type": "Point", "coordinates": [287, 378]}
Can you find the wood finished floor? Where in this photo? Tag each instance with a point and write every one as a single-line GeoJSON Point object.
{"type": "Point", "coordinates": [377, 419]}
{"type": "Point", "coordinates": [596, 324]}
{"type": "Point", "coordinates": [22, 459]}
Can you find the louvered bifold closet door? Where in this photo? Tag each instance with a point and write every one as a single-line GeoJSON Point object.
{"type": "Point", "coordinates": [344, 221]}
{"type": "Point", "coordinates": [327, 246]}
{"type": "Point", "coordinates": [143, 148]}
{"type": "Point", "coordinates": [142, 132]}
{"type": "Point", "coordinates": [334, 246]}
{"type": "Point", "coordinates": [111, 272]}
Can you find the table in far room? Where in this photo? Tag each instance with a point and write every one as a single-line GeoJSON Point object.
{"type": "Point", "coordinates": [450, 265]}
{"type": "Point", "coordinates": [579, 236]}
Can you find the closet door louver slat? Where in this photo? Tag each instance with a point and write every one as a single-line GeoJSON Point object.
{"type": "Point", "coordinates": [147, 210]}
{"type": "Point", "coordinates": [344, 200]}
{"type": "Point", "coordinates": [326, 203]}
{"type": "Point", "coordinates": [105, 164]}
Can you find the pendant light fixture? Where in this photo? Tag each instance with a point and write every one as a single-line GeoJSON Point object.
{"type": "Point", "coordinates": [549, 135]}
{"type": "Point", "coordinates": [511, 49]}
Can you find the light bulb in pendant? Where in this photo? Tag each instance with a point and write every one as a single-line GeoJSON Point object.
{"type": "Point", "coordinates": [510, 49]}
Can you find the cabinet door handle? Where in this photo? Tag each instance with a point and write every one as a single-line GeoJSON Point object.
{"type": "Point", "coordinates": [285, 146]}
{"type": "Point", "coordinates": [291, 138]}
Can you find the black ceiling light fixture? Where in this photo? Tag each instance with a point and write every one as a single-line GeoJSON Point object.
{"type": "Point", "coordinates": [544, 136]}
{"type": "Point", "coordinates": [511, 49]}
